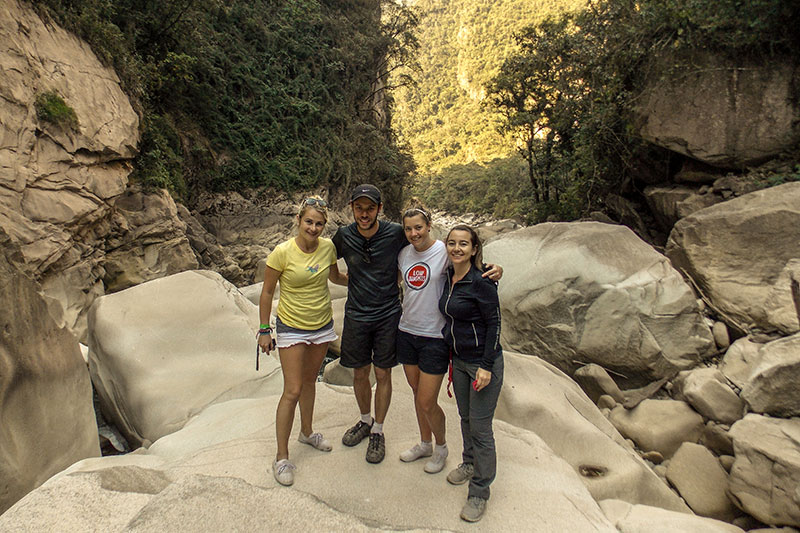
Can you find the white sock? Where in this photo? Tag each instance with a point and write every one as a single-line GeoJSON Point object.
{"type": "Point", "coordinates": [366, 418]}
{"type": "Point", "coordinates": [426, 444]}
{"type": "Point", "coordinates": [441, 448]}
{"type": "Point", "coordinates": [377, 428]}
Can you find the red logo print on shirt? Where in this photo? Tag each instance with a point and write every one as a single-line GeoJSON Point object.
{"type": "Point", "coordinates": [417, 276]}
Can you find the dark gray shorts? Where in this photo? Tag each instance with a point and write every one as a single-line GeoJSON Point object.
{"type": "Point", "coordinates": [431, 355]}
{"type": "Point", "coordinates": [369, 342]}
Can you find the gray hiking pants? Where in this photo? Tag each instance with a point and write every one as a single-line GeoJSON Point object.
{"type": "Point", "coordinates": [476, 410]}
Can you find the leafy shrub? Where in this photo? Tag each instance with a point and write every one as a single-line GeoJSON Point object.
{"type": "Point", "coordinates": [51, 107]}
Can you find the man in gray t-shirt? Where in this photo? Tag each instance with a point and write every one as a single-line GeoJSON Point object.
{"type": "Point", "coordinates": [372, 312]}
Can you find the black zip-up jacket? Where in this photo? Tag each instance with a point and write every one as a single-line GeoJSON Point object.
{"type": "Point", "coordinates": [472, 314]}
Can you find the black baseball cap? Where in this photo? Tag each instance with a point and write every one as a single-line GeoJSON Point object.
{"type": "Point", "coordinates": [368, 191]}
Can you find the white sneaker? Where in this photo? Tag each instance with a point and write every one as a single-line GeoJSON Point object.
{"type": "Point", "coordinates": [437, 462]}
{"type": "Point", "coordinates": [316, 440]}
{"type": "Point", "coordinates": [283, 471]}
{"type": "Point", "coordinates": [416, 452]}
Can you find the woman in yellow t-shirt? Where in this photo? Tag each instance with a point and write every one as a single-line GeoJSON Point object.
{"type": "Point", "coordinates": [304, 325]}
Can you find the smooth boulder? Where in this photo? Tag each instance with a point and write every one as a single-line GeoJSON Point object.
{"type": "Point", "coordinates": [214, 474]}
{"type": "Point", "coordinates": [587, 292]}
{"type": "Point", "coordinates": [772, 387]}
{"type": "Point", "coordinates": [765, 477]}
{"type": "Point", "coordinates": [45, 394]}
{"type": "Point", "coordinates": [539, 397]}
{"type": "Point", "coordinates": [707, 391]}
{"type": "Point", "coordinates": [162, 351]}
{"type": "Point", "coordinates": [701, 481]}
{"type": "Point", "coordinates": [645, 519]}
{"type": "Point", "coordinates": [735, 252]}
{"type": "Point", "coordinates": [658, 425]}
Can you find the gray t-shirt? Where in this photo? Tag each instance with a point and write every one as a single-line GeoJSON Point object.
{"type": "Point", "coordinates": [372, 291]}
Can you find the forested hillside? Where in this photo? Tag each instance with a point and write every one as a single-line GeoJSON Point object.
{"type": "Point", "coordinates": [444, 119]}
{"type": "Point", "coordinates": [253, 93]}
{"type": "Point", "coordinates": [558, 83]}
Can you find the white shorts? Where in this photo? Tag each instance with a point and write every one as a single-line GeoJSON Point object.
{"type": "Point", "coordinates": [288, 336]}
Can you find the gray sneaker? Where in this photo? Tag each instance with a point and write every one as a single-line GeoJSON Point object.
{"type": "Point", "coordinates": [283, 471]}
{"type": "Point", "coordinates": [473, 510]}
{"type": "Point", "coordinates": [356, 434]}
{"type": "Point", "coordinates": [461, 474]}
{"type": "Point", "coordinates": [376, 450]}
{"type": "Point", "coordinates": [436, 464]}
{"type": "Point", "coordinates": [417, 451]}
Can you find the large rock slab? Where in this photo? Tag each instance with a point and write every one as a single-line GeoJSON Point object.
{"type": "Point", "coordinates": [596, 293]}
{"type": "Point", "coordinates": [765, 478]}
{"type": "Point", "coordinates": [736, 253]}
{"type": "Point", "coordinates": [772, 387]}
{"type": "Point", "coordinates": [724, 112]}
{"type": "Point", "coordinates": [701, 481]}
{"type": "Point", "coordinates": [539, 397]}
{"type": "Point", "coordinates": [215, 472]}
{"type": "Point", "coordinates": [162, 351]}
{"type": "Point", "coordinates": [644, 519]}
{"type": "Point", "coordinates": [658, 425]}
{"type": "Point", "coordinates": [45, 395]}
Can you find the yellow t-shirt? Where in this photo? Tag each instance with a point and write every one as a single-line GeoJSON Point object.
{"type": "Point", "coordinates": [305, 301]}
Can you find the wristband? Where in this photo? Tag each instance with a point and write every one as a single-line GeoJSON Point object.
{"type": "Point", "coordinates": [264, 332]}
{"type": "Point", "coordinates": [265, 326]}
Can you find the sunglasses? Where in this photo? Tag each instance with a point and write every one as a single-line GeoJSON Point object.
{"type": "Point", "coordinates": [315, 201]}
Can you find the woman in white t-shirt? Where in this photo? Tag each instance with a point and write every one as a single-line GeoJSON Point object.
{"type": "Point", "coordinates": [421, 348]}
{"type": "Point", "coordinates": [304, 325]}
{"type": "Point", "coordinates": [420, 343]}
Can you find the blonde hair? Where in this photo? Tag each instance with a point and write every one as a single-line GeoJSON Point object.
{"type": "Point", "coordinates": [316, 203]}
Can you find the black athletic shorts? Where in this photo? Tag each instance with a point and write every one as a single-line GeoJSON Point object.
{"type": "Point", "coordinates": [369, 342]}
{"type": "Point", "coordinates": [431, 355]}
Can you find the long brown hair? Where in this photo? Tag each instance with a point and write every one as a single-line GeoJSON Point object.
{"type": "Point", "coordinates": [477, 259]}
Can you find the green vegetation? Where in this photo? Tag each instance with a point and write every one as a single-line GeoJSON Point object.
{"type": "Point", "coordinates": [254, 93]}
{"type": "Point", "coordinates": [561, 92]}
{"type": "Point", "coordinates": [568, 93]}
{"type": "Point", "coordinates": [443, 118]}
{"type": "Point", "coordinates": [51, 107]}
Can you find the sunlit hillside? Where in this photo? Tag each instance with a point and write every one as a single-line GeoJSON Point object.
{"type": "Point", "coordinates": [463, 45]}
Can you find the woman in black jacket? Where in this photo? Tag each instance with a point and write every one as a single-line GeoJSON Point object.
{"type": "Point", "coordinates": [472, 331]}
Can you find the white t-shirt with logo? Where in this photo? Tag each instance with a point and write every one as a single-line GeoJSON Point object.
{"type": "Point", "coordinates": [424, 276]}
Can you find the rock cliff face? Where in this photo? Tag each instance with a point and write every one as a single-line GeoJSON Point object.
{"type": "Point", "coordinates": [723, 112]}
{"type": "Point", "coordinates": [59, 184]}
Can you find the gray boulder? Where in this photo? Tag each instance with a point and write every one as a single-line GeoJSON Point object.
{"type": "Point", "coordinates": [772, 387]}
{"type": "Point", "coordinates": [48, 421]}
{"type": "Point", "coordinates": [162, 351]}
{"type": "Point", "coordinates": [701, 481]}
{"type": "Point", "coordinates": [707, 391]}
{"type": "Point", "coordinates": [539, 397]}
{"type": "Point", "coordinates": [739, 361]}
{"type": "Point", "coordinates": [757, 118]}
{"type": "Point", "coordinates": [658, 425]}
{"type": "Point", "coordinates": [765, 477]}
{"type": "Point", "coordinates": [736, 251]}
{"type": "Point", "coordinates": [644, 519]}
{"type": "Point", "coordinates": [595, 293]}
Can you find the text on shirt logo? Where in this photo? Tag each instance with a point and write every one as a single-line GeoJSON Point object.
{"type": "Point", "coordinates": [417, 276]}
